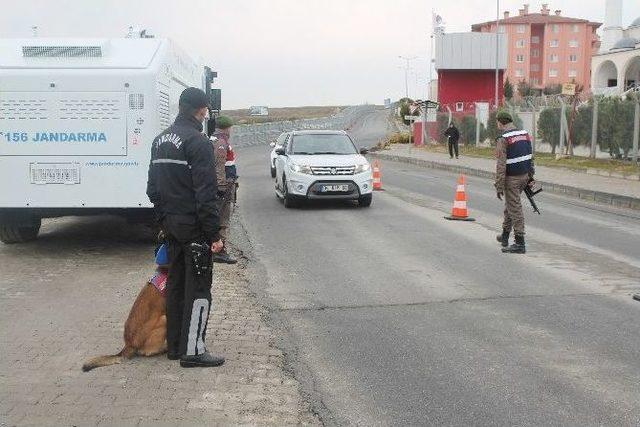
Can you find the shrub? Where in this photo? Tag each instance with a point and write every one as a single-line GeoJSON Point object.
{"type": "Point", "coordinates": [467, 130]}
{"type": "Point", "coordinates": [508, 89]}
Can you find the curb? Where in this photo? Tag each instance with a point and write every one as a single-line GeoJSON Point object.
{"type": "Point", "coordinates": [575, 192]}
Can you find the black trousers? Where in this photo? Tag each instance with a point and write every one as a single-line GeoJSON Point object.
{"type": "Point", "coordinates": [453, 146]}
{"type": "Point", "coordinates": [188, 293]}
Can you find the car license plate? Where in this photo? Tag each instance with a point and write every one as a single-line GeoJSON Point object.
{"type": "Point", "coordinates": [343, 188]}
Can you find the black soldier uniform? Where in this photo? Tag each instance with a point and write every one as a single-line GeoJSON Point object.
{"type": "Point", "coordinates": [182, 187]}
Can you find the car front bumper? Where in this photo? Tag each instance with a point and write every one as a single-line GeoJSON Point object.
{"type": "Point", "coordinates": [308, 186]}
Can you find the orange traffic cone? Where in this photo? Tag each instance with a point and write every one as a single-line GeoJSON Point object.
{"type": "Point", "coordinates": [377, 176]}
{"type": "Point", "coordinates": [459, 210]}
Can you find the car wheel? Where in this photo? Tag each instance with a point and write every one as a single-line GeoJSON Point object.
{"type": "Point", "coordinates": [365, 200]}
{"type": "Point", "coordinates": [273, 172]}
{"type": "Point", "coordinates": [289, 200]}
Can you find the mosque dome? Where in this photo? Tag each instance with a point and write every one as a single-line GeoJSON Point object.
{"type": "Point", "coordinates": [626, 43]}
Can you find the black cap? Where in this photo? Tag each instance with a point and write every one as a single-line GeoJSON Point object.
{"type": "Point", "coordinates": [194, 97]}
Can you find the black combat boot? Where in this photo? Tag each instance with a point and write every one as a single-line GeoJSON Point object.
{"type": "Point", "coordinates": [503, 238]}
{"type": "Point", "coordinates": [224, 258]}
{"type": "Point", "coordinates": [517, 248]}
{"type": "Point", "coordinates": [204, 360]}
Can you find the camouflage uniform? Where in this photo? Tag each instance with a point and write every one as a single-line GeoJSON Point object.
{"type": "Point", "coordinates": [511, 185]}
{"type": "Point", "coordinates": [226, 187]}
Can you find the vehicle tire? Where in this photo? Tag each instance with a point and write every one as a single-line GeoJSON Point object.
{"type": "Point", "coordinates": [273, 172]}
{"type": "Point", "coordinates": [289, 200]}
{"type": "Point", "coordinates": [365, 200]}
{"type": "Point", "coordinates": [19, 233]}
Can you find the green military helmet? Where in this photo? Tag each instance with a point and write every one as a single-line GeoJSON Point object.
{"type": "Point", "coordinates": [223, 122]}
{"type": "Point", "coordinates": [504, 116]}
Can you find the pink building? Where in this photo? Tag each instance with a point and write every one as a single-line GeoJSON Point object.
{"type": "Point", "coordinates": [547, 49]}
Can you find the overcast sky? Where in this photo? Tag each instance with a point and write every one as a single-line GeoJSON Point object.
{"type": "Point", "coordinates": [286, 52]}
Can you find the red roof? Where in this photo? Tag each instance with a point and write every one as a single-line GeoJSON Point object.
{"type": "Point", "coordinates": [537, 18]}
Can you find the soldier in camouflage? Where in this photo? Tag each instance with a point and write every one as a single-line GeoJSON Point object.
{"type": "Point", "coordinates": [514, 172]}
{"type": "Point", "coordinates": [226, 180]}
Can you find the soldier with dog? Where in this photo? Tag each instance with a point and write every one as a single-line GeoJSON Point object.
{"type": "Point", "coordinates": [182, 187]}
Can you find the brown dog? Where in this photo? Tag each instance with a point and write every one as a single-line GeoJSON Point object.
{"type": "Point", "coordinates": [145, 330]}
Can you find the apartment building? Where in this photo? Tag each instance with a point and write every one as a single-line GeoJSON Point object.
{"type": "Point", "coordinates": [546, 48]}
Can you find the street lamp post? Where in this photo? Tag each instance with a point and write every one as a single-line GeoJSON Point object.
{"type": "Point", "coordinates": [406, 72]}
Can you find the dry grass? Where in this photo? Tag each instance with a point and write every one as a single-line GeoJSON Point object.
{"type": "Point", "coordinates": [281, 114]}
{"type": "Point", "coordinates": [546, 159]}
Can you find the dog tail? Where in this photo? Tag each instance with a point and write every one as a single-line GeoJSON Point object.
{"type": "Point", "coordinates": [97, 362]}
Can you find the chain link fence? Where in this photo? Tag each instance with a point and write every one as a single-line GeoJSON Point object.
{"type": "Point", "coordinates": [583, 125]}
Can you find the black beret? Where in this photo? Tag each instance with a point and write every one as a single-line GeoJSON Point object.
{"type": "Point", "coordinates": [194, 97]}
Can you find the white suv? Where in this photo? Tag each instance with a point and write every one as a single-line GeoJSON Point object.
{"type": "Point", "coordinates": [278, 143]}
{"type": "Point", "coordinates": [322, 165]}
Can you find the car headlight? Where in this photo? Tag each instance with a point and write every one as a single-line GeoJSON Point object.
{"type": "Point", "coordinates": [362, 168]}
{"type": "Point", "coordinates": [306, 169]}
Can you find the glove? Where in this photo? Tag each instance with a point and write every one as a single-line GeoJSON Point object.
{"type": "Point", "coordinates": [499, 194]}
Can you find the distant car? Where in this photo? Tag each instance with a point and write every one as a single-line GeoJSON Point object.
{"type": "Point", "coordinates": [278, 143]}
{"type": "Point", "coordinates": [322, 165]}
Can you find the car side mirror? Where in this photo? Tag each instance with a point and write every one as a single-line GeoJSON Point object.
{"type": "Point", "coordinates": [364, 150]}
{"type": "Point", "coordinates": [280, 151]}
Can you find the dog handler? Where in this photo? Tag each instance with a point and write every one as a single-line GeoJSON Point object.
{"type": "Point", "coordinates": [182, 187]}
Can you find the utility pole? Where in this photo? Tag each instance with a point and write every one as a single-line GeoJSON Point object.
{"type": "Point", "coordinates": [497, 88]}
{"type": "Point", "coordinates": [406, 72]}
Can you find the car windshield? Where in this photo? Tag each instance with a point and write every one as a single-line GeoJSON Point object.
{"type": "Point", "coordinates": [322, 144]}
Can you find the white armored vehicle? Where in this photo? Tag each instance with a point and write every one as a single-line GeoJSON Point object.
{"type": "Point", "coordinates": [77, 118]}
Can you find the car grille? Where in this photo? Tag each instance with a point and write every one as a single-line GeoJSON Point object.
{"type": "Point", "coordinates": [333, 170]}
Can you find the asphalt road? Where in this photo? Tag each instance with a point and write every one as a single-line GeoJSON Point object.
{"type": "Point", "coordinates": [394, 316]}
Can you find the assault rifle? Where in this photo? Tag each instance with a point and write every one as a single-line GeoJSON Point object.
{"type": "Point", "coordinates": [531, 190]}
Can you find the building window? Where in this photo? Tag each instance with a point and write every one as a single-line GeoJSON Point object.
{"type": "Point", "coordinates": [573, 43]}
{"type": "Point", "coordinates": [501, 29]}
{"type": "Point", "coordinates": [573, 58]}
{"type": "Point", "coordinates": [535, 68]}
{"type": "Point", "coordinates": [553, 72]}
{"type": "Point", "coordinates": [555, 28]}
{"type": "Point", "coordinates": [554, 43]}
{"type": "Point", "coordinates": [520, 29]}
{"type": "Point", "coordinates": [519, 73]}
{"type": "Point", "coordinates": [573, 73]}
{"type": "Point", "coordinates": [459, 106]}
{"type": "Point", "coordinates": [535, 39]}
{"type": "Point", "coordinates": [520, 43]}
{"type": "Point", "coordinates": [519, 58]}
{"type": "Point", "coordinates": [535, 81]}
{"type": "Point", "coordinates": [575, 28]}
{"type": "Point", "coordinates": [535, 53]}
{"type": "Point", "coordinates": [553, 57]}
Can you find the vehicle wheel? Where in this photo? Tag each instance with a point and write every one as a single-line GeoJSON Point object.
{"type": "Point", "coordinates": [273, 172]}
{"type": "Point", "coordinates": [365, 201]}
{"type": "Point", "coordinates": [11, 232]}
{"type": "Point", "coordinates": [289, 200]}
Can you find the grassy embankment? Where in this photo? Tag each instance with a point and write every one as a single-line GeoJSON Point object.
{"type": "Point", "coordinates": [281, 114]}
{"type": "Point", "coordinates": [542, 159]}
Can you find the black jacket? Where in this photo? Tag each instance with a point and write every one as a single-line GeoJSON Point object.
{"type": "Point", "coordinates": [182, 175]}
{"type": "Point", "coordinates": [452, 132]}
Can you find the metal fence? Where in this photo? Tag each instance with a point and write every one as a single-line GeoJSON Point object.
{"type": "Point", "coordinates": [590, 126]}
